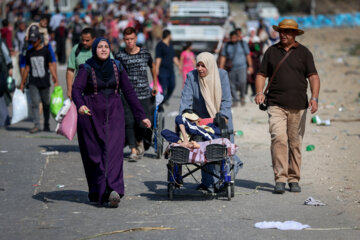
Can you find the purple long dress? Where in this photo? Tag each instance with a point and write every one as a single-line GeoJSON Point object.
{"type": "Point", "coordinates": [101, 136]}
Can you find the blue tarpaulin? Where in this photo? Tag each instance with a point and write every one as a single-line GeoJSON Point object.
{"type": "Point", "coordinates": [322, 21]}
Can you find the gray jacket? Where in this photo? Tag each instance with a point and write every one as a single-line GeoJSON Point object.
{"type": "Point", "coordinates": [191, 97]}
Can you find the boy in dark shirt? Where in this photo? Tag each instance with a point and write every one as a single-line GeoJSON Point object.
{"type": "Point", "coordinates": [164, 61]}
{"type": "Point", "coordinates": [38, 64]}
{"type": "Point", "coordinates": [136, 60]}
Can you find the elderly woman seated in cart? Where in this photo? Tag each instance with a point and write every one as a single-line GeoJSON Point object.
{"type": "Point", "coordinates": [207, 92]}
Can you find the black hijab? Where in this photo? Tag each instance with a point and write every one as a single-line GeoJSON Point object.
{"type": "Point", "coordinates": [103, 68]}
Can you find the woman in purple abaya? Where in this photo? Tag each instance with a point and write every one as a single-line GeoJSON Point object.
{"type": "Point", "coordinates": [101, 123]}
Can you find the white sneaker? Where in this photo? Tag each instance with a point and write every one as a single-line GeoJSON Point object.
{"type": "Point", "coordinates": [114, 199]}
{"type": "Point", "coordinates": [140, 150]}
{"type": "Point", "coordinates": [133, 157]}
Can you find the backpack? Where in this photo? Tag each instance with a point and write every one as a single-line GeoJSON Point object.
{"type": "Point", "coordinates": [242, 46]}
{"type": "Point", "coordinates": [229, 61]}
{"type": "Point", "coordinates": [78, 49]}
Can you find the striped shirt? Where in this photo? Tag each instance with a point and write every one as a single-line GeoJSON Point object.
{"type": "Point", "coordinates": [136, 68]}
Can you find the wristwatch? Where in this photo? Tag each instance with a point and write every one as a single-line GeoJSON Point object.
{"type": "Point", "coordinates": [315, 99]}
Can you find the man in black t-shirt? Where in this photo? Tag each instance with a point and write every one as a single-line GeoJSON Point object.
{"type": "Point", "coordinates": [165, 59]}
{"type": "Point", "coordinates": [136, 60]}
{"type": "Point", "coordinates": [287, 101]}
{"type": "Point", "coordinates": [38, 64]}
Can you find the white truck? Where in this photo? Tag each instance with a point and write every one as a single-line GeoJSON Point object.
{"type": "Point", "coordinates": [199, 22]}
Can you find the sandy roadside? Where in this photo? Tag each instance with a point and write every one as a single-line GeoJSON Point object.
{"type": "Point", "coordinates": [333, 168]}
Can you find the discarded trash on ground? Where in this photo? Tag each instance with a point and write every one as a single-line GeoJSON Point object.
{"type": "Point", "coordinates": [239, 133]}
{"type": "Point", "coordinates": [3, 151]}
{"type": "Point", "coordinates": [310, 148]}
{"type": "Point", "coordinates": [50, 153]}
{"type": "Point", "coordinates": [316, 119]}
{"type": "Point", "coordinates": [60, 186]}
{"type": "Point", "coordinates": [287, 225]}
{"type": "Point", "coordinates": [313, 202]}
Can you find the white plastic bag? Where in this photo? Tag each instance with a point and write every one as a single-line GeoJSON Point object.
{"type": "Point", "coordinates": [159, 98]}
{"type": "Point", "coordinates": [64, 109]}
{"type": "Point", "coordinates": [16, 71]}
{"type": "Point", "coordinates": [20, 106]}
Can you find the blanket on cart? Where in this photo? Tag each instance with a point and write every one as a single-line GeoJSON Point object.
{"type": "Point", "coordinates": [197, 155]}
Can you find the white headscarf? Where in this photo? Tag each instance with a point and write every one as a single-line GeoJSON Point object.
{"type": "Point", "coordinates": [210, 85]}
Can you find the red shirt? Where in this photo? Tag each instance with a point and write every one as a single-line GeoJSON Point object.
{"type": "Point", "coordinates": [6, 34]}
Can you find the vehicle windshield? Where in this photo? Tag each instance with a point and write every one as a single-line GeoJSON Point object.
{"type": "Point", "coordinates": [199, 13]}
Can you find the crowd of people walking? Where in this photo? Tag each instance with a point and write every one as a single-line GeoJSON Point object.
{"type": "Point", "coordinates": [111, 54]}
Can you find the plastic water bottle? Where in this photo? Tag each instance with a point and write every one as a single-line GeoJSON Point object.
{"type": "Point", "coordinates": [239, 133]}
{"type": "Point", "coordinates": [316, 119]}
{"type": "Point", "coordinates": [310, 148]}
{"type": "Point", "coordinates": [9, 81]}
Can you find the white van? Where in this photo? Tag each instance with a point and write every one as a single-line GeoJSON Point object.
{"type": "Point", "coordinates": [199, 22]}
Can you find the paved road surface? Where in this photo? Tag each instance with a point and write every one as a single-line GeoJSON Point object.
{"type": "Point", "coordinates": [45, 197]}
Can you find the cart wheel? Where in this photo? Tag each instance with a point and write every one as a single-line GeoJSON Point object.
{"type": "Point", "coordinates": [159, 138]}
{"type": "Point", "coordinates": [228, 191]}
{"type": "Point", "coordinates": [232, 183]}
{"type": "Point", "coordinates": [232, 190]}
{"type": "Point", "coordinates": [171, 191]}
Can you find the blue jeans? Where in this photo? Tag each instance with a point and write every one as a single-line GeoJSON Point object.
{"type": "Point", "coordinates": [167, 81]}
{"type": "Point", "coordinates": [238, 82]}
{"type": "Point", "coordinates": [210, 181]}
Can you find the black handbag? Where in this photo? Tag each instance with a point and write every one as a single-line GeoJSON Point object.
{"type": "Point", "coordinates": [264, 106]}
{"type": "Point", "coordinates": [228, 65]}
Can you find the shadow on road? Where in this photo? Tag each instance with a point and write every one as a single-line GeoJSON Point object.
{"type": "Point", "coordinates": [254, 185]}
{"type": "Point", "coordinates": [61, 148]}
{"type": "Point", "coordinates": [187, 192]}
{"type": "Point", "coordinates": [146, 155]}
{"type": "Point", "coordinates": [75, 196]}
{"type": "Point", "coordinates": [17, 129]}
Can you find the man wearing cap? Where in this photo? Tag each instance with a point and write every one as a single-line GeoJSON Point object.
{"type": "Point", "coordinates": [287, 101]}
{"type": "Point", "coordinates": [38, 64]}
{"type": "Point", "coordinates": [42, 28]}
